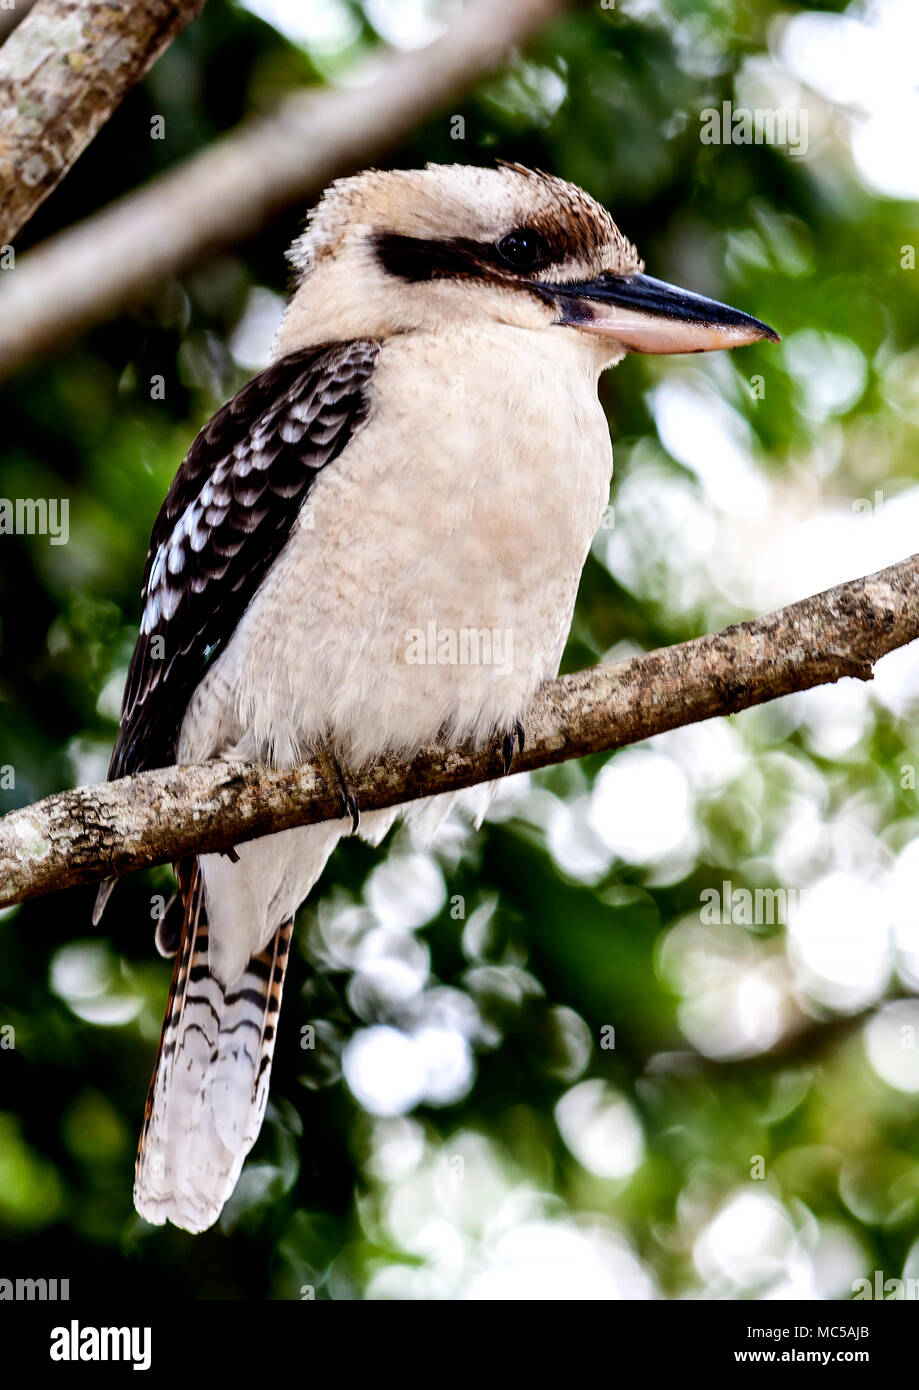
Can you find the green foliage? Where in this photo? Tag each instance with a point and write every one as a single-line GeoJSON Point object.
{"type": "Point", "coordinates": [625, 1095]}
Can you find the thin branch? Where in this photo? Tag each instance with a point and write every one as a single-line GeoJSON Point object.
{"type": "Point", "coordinates": [94, 832]}
{"type": "Point", "coordinates": [229, 191]}
{"type": "Point", "coordinates": [63, 71]}
{"type": "Point", "coordinates": [10, 18]}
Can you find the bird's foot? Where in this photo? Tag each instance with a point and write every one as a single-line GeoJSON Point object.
{"type": "Point", "coordinates": [507, 746]}
{"type": "Point", "coordinates": [348, 806]}
{"type": "Point", "coordinates": [338, 783]}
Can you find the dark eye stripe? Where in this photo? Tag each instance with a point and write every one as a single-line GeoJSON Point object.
{"type": "Point", "coordinates": [415, 259]}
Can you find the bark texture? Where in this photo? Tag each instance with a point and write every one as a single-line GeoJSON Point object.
{"type": "Point", "coordinates": [93, 832]}
{"type": "Point", "coordinates": [63, 71]}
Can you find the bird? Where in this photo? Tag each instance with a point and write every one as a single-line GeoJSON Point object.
{"type": "Point", "coordinates": [425, 455]}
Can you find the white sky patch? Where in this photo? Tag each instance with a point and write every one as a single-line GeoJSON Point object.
{"type": "Point", "coordinates": [405, 891]}
{"type": "Point", "coordinates": [385, 1070]}
{"type": "Point", "coordinates": [642, 807]}
{"type": "Point", "coordinates": [735, 988]}
{"type": "Point", "coordinates": [85, 976]}
{"type": "Point", "coordinates": [865, 60]}
{"type": "Point", "coordinates": [325, 26]}
{"type": "Point", "coordinates": [886, 158]}
{"type": "Point", "coordinates": [477, 1229]}
{"type": "Point", "coordinates": [397, 1148]}
{"type": "Point", "coordinates": [828, 372]}
{"type": "Point", "coordinates": [391, 967]}
{"type": "Point", "coordinates": [342, 928]}
{"type": "Point", "coordinates": [711, 754]}
{"type": "Point", "coordinates": [560, 1260]}
{"type": "Point", "coordinates": [810, 842]}
{"type": "Point", "coordinates": [800, 555]}
{"type": "Point", "coordinates": [835, 718]}
{"type": "Point", "coordinates": [575, 845]}
{"type": "Point", "coordinates": [601, 1130]}
{"type": "Point", "coordinates": [900, 384]}
{"type": "Point", "coordinates": [751, 1244]}
{"type": "Point", "coordinates": [896, 680]}
{"type": "Point", "coordinates": [89, 759]}
{"type": "Point", "coordinates": [465, 1183]}
{"type": "Point", "coordinates": [693, 955]}
{"type": "Point", "coordinates": [448, 1064]}
{"type": "Point", "coordinates": [111, 694]}
{"type": "Point", "coordinates": [698, 427]}
{"type": "Point", "coordinates": [743, 1013]}
{"type": "Point", "coordinates": [840, 57]}
{"type": "Point", "coordinates": [904, 897]}
{"type": "Point", "coordinates": [410, 23]}
{"type": "Point", "coordinates": [665, 534]}
{"type": "Point", "coordinates": [254, 334]}
{"type": "Point", "coordinates": [390, 1072]}
{"type": "Point", "coordinates": [892, 1044]}
{"type": "Point", "coordinates": [839, 940]}
{"type": "Point", "coordinates": [837, 1258]}
{"type": "Point", "coordinates": [446, 1008]}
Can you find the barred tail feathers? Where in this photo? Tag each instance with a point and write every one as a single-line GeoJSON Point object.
{"type": "Point", "coordinates": [209, 1090]}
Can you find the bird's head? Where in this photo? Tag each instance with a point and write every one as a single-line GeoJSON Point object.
{"type": "Point", "coordinates": [427, 249]}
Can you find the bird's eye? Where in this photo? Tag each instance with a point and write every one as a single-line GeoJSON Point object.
{"type": "Point", "coordinates": [524, 249]}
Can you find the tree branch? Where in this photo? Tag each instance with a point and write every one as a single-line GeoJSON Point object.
{"type": "Point", "coordinates": [11, 17]}
{"type": "Point", "coordinates": [228, 192]}
{"type": "Point", "coordinates": [63, 71]}
{"type": "Point", "coordinates": [79, 836]}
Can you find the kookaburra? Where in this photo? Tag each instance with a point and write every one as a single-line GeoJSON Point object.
{"type": "Point", "coordinates": [427, 447]}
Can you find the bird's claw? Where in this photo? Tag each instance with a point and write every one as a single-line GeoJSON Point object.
{"type": "Point", "coordinates": [347, 805]}
{"type": "Point", "coordinates": [507, 747]}
{"type": "Point", "coordinates": [337, 783]}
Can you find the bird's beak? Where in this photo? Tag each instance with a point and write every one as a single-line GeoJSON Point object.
{"type": "Point", "coordinates": [647, 315]}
